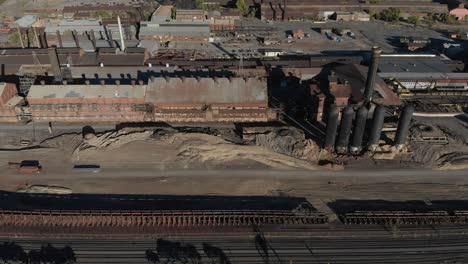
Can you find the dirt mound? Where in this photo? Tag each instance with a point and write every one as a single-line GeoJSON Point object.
{"type": "Point", "coordinates": [66, 142]}
{"type": "Point", "coordinates": [291, 142]}
{"type": "Point", "coordinates": [214, 150]}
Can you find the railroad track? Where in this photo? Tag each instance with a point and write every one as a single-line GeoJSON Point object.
{"type": "Point", "coordinates": [278, 250]}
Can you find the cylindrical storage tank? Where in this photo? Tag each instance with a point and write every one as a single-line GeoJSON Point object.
{"type": "Point", "coordinates": [403, 126]}
{"type": "Point", "coordinates": [332, 128]}
{"type": "Point", "coordinates": [359, 128]}
{"type": "Point", "coordinates": [377, 125]}
{"type": "Point", "coordinates": [345, 129]}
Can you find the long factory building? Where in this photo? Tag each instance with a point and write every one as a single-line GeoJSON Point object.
{"type": "Point", "coordinates": [162, 99]}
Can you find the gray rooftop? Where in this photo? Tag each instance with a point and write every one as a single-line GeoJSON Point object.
{"type": "Point", "coordinates": [86, 91]}
{"type": "Point", "coordinates": [412, 64]}
{"type": "Point", "coordinates": [175, 29]}
{"type": "Point", "coordinates": [26, 21]}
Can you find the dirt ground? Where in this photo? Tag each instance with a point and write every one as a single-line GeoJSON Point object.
{"type": "Point", "coordinates": [167, 162]}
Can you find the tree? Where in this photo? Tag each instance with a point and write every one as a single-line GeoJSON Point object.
{"type": "Point", "coordinates": [103, 14]}
{"type": "Point", "coordinates": [252, 12]}
{"type": "Point", "coordinates": [448, 19]}
{"type": "Point", "coordinates": [390, 15]}
{"type": "Point", "coordinates": [414, 20]}
{"type": "Point", "coordinates": [200, 3]}
{"type": "Point", "coordinates": [242, 6]}
{"type": "Point", "coordinates": [13, 38]}
{"type": "Point", "coordinates": [173, 13]}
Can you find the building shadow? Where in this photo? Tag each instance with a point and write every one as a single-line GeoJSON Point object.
{"type": "Point", "coordinates": [13, 253]}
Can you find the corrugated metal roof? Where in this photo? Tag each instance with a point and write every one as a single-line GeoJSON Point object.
{"type": "Point", "coordinates": [26, 21]}
{"type": "Point", "coordinates": [79, 28]}
{"type": "Point", "coordinates": [86, 91]}
{"type": "Point", "coordinates": [175, 29]}
{"type": "Point", "coordinates": [412, 65]}
{"type": "Point", "coordinates": [424, 75]}
{"type": "Point", "coordinates": [207, 91]}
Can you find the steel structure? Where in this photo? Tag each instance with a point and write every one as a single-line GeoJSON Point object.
{"type": "Point", "coordinates": [163, 218]}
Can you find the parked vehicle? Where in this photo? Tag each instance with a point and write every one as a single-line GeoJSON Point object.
{"type": "Point", "coordinates": [26, 166]}
{"type": "Point", "coordinates": [87, 168]}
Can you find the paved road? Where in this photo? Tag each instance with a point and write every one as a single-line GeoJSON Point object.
{"type": "Point", "coordinates": [266, 250]}
{"type": "Point", "coordinates": [135, 171]}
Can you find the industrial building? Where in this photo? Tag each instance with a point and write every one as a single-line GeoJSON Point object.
{"type": "Point", "coordinates": [423, 74]}
{"type": "Point", "coordinates": [163, 28]}
{"type": "Point", "coordinates": [90, 103]}
{"type": "Point", "coordinates": [315, 9]}
{"type": "Point", "coordinates": [9, 99]}
{"type": "Point", "coordinates": [92, 11]}
{"type": "Point", "coordinates": [210, 99]}
{"type": "Point", "coordinates": [166, 99]}
{"type": "Point", "coordinates": [345, 85]}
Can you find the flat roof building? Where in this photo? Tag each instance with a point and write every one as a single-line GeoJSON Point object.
{"type": "Point", "coordinates": [198, 31]}
{"type": "Point", "coordinates": [100, 103]}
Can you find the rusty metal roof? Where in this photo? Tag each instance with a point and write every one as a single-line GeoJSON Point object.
{"type": "Point", "coordinates": [356, 76]}
{"type": "Point", "coordinates": [207, 91]}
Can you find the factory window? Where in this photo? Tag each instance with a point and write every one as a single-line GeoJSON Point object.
{"type": "Point", "coordinates": [49, 107]}
{"type": "Point", "coordinates": [71, 107]}
{"type": "Point", "coordinates": [94, 107]}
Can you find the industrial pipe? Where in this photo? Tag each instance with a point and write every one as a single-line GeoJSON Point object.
{"type": "Point", "coordinates": [345, 129]}
{"type": "Point", "coordinates": [377, 125]}
{"type": "Point", "coordinates": [59, 39]}
{"type": "Point", "coordinates": [359, 129]}
{"type": "Point", "coordinates": [372, 74]}
{"type": "Point", "coordinates": [332, 127]}
{"type": "Point", "coordinates": [75, 37]}
{"type": "Point", "coordinates": [403, 126]}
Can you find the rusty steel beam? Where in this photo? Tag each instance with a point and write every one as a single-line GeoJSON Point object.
{"type": "Point", "coordinates": [154, 218]}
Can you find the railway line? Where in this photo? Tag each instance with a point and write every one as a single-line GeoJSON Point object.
{"type": "Point", "coordinates": [275, 250]}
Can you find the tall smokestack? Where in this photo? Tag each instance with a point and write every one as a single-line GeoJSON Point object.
{"type": "Point", "coordinates": [75, 37]}
{"type": "Point", "coordinates": [372, 73]}
{"type": "Point", "coordinates": [93, 38]}
{"type": "Point", "coordinates": [59, 39]}
{"type": "Point", "coordinates": [44, 40]}
{"type": "Point", "coordinates": [54, 62]}
{"type": "Point", "coordinates": [20, 36]}
{"type": "Point", "coordinates": [284, 9]}
{"type": "Point", "coordinates": [122, 43]}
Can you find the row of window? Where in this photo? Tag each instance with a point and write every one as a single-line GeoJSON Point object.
{"type": "Point", "coordinates": [89, 107]}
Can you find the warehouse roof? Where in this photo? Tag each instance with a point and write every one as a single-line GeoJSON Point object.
{"type": "Point", "coordinates": [175, 29]}
{"type": "Point", "coordinates": [86, 91]}
{"type": "Point", "coordinates": [425, 75]}
{"type": "Point", "coordinates": [208, 90]}
{"type": "Point", "coordinates": [162, 13]}
{"type": "Point", "coordinates": [412, 64]}
{"type": "Point", "coordinates": [26, 21]}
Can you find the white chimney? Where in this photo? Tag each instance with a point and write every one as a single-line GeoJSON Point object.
{"type": "Point", "coordinates": [122, 43]}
